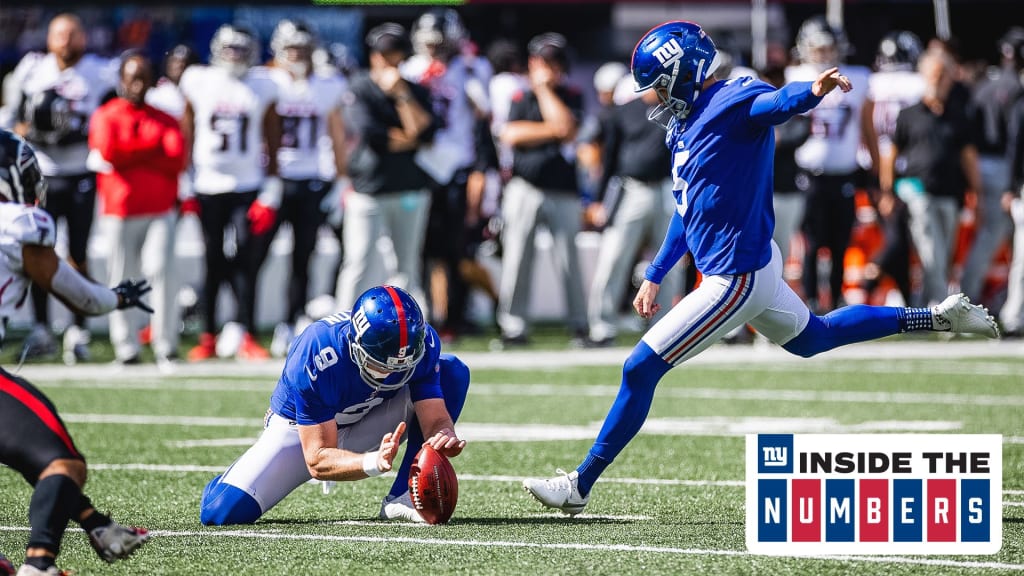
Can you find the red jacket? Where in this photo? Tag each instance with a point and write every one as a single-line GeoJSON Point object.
{"type": "Point", "coordinates": [147, 151]}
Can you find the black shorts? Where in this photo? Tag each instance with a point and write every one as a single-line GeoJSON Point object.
{"type": "Point", "coordinates": [32, 435]}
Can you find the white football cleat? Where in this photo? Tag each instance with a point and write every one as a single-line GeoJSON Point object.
{"type": "Point", "coordinates": [957, 314]}
{"type": "Point", "coordinates": [400, 508]}
{"type": "Point", "coordinates": [561, 492]}
{"type": "Point", "coordinates": [115, 542]}
{"type": "Point", "coordinates": [76, 345]}
{"type": "Point", "coordinates": [230, 339]}
{"type": "Point", "coordinates": [283, 336]}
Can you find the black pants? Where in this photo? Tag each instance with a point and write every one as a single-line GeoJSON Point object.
{"type": "Point", "coordinates": [218, 213]}
{"type": "Point", "coordinates": [33, 434]}
{"type": "Point", "coordinates": [300, 207]}
{"type": "Point", "coordinates": [72, 198]}
{"type": "Point", "coordinates": [446, 243]}
{"type": "Point", "coordinates": [894, 257]}
{"type": "Point", "coordinates": [828, 221]}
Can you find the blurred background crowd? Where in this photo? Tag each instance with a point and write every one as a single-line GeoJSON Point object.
{"type": "Point", "coordinates": [262, 164]}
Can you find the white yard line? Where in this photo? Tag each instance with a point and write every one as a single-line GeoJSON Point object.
{"type": "Point", "coordinates": [666, 390]}
{"type": "Point", "coordinates": [886, 355]}
{"type": "Point", "coordinates": [179, 468]}
{"type": "Point", "coordinates": [184, 468]}
{"type": "Point", "coordinates": [756, 394]}
{"type": "Point", "coordinates": [448, 543]}
{"type": "Point", "coordinates": [147, 419]}
{"type": "Point", "coordinates": [696, 426]}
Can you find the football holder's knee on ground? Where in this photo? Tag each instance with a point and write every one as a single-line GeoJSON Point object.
{"type": "Point", "coordinates": [224, 504]}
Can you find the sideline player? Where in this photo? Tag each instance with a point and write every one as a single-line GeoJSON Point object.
{"type": "Point", "coordinates": [33, 439]}
{"type": "Point", "coordinates": [828, 157]}
{"type": "Point", "coordinates": [230, 121]}
{"type": "Point", "coordinates": [350, 386]}
{"type": "Point", "coordinates": [53, 97]}
{"type": "Point", "coordinates": [310, 157]}
{"type": "Point", "coordinates": [724, 218]}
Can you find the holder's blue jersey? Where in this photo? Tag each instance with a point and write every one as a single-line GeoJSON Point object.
{"type": "Point", "coordinates": [320, 382]}
{"type": "Point", "coordinates": [722, 173]}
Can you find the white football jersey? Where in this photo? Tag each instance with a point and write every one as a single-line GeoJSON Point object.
{"type": "Point", "coordinates": [228, 112]}
{"type": "Point", "coordinates": [835, 122]}
{"type": "Point", "coordinates": [19, 225]}
{"type": "Point", "coordinates": [58, 104]}
{"type": "Point", "coordinates": [455, 140]}
{"type": "Point", "coordinates": [167, 97]}
{"type": "Point", "coordinates": [892, 92]}
{"type": "Point", "coordinates": [303, 104]}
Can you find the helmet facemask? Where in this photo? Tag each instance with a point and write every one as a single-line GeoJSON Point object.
{"type": "Point", "coordinates": [386, 337]}
{"type": "Point", "coordinates": [234, 50]}
{"type": "Point", "coordinates": [297, 60]}
{"type": "Point", "coordinates": [384, 374]}
{"type": "Point", "coordinates": [293, 45]}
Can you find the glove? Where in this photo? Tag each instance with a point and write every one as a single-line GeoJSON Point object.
{"type": "Point", "coordinates": [95, 162]}
{"type": "Point", "coordinates": [261, 217]}
{"type": "Point", "coordinates": [129, 294]}
{"type": "Point", "coordinates": [263, 211]}
{"type": "Point", "coordinates": [190, 206]}
{"type": "Point", "coordinates": [333, 205]}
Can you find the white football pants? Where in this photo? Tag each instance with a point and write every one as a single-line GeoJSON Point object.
{"type": "Point", "coordinates": [274, 465]}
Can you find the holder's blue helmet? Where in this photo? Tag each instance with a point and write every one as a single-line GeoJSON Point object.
{"type": "Point", "coordinates": [674, 58]}
{"type": "Point", "coordinates": [386, 341]}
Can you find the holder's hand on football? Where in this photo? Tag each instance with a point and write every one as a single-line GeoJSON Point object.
{"type": "Point", "coordinates": [129, 294]}
{"type": "Point", "coordinates": [389, 447]}
{"type": "Point", "coordinates": [446, 442]}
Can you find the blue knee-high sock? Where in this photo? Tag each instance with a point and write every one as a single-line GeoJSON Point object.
{"type": "Point", "coordinates": [640, 375]}
{"type": "Point", "coordinates": [223, 504]}
{"type": "Point", "coordinates": [454, 385]}
{"type": "Point", "coordinates": [856, 324]}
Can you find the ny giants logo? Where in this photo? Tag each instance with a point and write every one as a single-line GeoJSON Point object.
{"type": "Point", "coordinates": [360, 322]}
{"type": "Point", "coordinates": [668, 53]}
{"type": "Point", "coordinates": [874, 494]}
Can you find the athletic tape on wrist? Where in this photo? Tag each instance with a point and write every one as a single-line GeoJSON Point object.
{"type": "Point", "coordinates": [370, 464]}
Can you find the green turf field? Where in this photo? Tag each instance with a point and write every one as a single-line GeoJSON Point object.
{"type": "Point", "coordinates": [671, 504]}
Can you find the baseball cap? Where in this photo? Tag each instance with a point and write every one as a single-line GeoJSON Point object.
{"type": "Point", "coordinates": [552, 47]}
{"type": "Point", "coordinates": [388, 37]}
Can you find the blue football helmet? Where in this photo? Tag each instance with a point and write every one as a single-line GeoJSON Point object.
{"type": "Point", "coordinates": [674, 58]}
{"type": "Point", "coordinates": [386, 339]}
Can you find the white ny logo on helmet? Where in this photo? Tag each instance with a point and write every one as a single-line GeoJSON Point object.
{"type": "Point", "coordinates": [360, 322]}
{"type": "Point", "coordinates": [668, 53]}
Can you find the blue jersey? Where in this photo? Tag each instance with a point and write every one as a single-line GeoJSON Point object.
{"type": "Point", "coordinates": [722, 173]}
{"type": "Point", "coordinates": [320, 382]}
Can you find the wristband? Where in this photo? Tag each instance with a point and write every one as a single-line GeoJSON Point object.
{"type": "Point", "coordinates": [370, 464]}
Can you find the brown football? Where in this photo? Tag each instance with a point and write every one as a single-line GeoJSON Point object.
{"type": "Point", "coordinates": [433, 486]}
